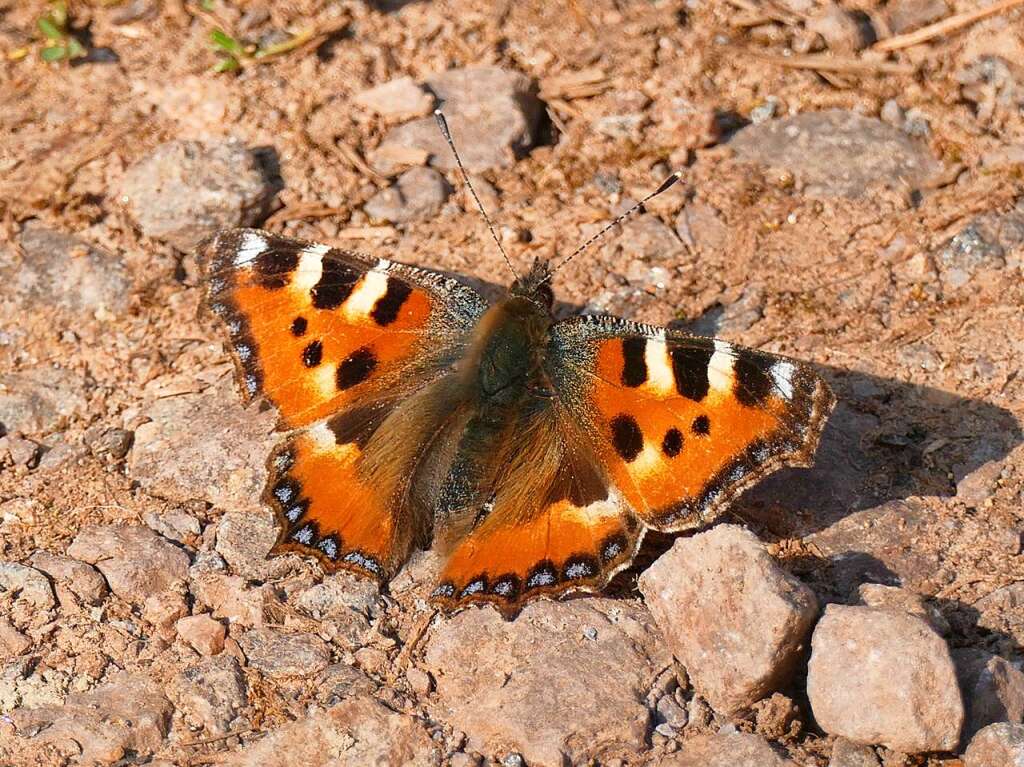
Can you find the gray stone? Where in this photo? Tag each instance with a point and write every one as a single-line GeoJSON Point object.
{"type": "Point", "coordinates": [992, 688]}
{"type": "Point", "coordinates": [245, 538]}
{"type": "Point", "coordinates": [837, 153]}
{"type": "Point", "coordinates": [25, 594]}
{"type": "Point", "coordinates": [210, 694]}
{"type": "Point", "coordinates": [174, 524]}
{"type": "Point", "coordinates": [879, 676]}
{"type": "Point", "coordinates": [398, 99]}
{"type": "Point", "coordinates": [20, 451]}
{"type": "Point", "coordinates": [538, 686]}
{"type": "Point", "coordinates": [1002, 611]}
{"type": "Point", "coordinates": [417, 195]}
{"type": "Point", "coordinates": [492, 113]}
{"type": "Point", "coordinates": [730, 749]}
{"type": "Point", "coordinates": [125, 719]}
{"type": "Point", "coordinates": [279, 654]}
{"type": "Point", "coordinates": [76, 583]}
{"type": "Point", "coordinates": [998, 745]}
{"type": "Point", "coordinates": [733, 618]}
{"type": "Point", "coordinates": [357, 732]}
{"type": "Point", "coordinates": [848, 754]}
{"type": "Point", "coordinates": [647, 238]}
{"type": "Point", "coordinates": [184, 191]}
{"type": "Point", "coordinates": [136, 562]}
{"type": "Point", "coordinates": [112, 443]}
{"type": "Point", "coordinates": [204, 446]}
{"type": "Point", "coordinates": [39, 399]}
{"type": "Point", "coordinates": [340, 681]}
{"type": "Point", "coordinates": [338, 595]}
{"type": "Point", "coordinates": [62, 271]}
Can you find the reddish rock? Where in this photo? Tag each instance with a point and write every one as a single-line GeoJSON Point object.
{"type": "Point", "coordinates": [884, 677]}
{"type": "Point", "coordinates": [559, 684]}
{"type": "Point", "coordinates": [12, 642]}
{"type": "Point", "coordinates": [210, 694]}
{"type": "Point", "coordinates": [357, 732]}
{"type": "Point", "coordinates": [736, 749]}
{"type": "Point", "coordinates": [992, 687]}
{"type": "Point", "coordinates": [204, 633]}
{"type": "Point", "coordinates": [76, 583]}
{"type": "Point", "coordinates": [229, 596]}
{"type": "Point", "coordinates": [730, 614]}
{"type": "Point", "coordinates": [998, 745]}
{"type": "Point", "coordinates": [126, 718]}
{"type": "Point", "coordinates": [136, 562]}
{"type": "Point", "coordinates": [25, 595]}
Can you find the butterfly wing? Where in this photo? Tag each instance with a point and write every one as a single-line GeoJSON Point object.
{"type": "Point", "coordinates": [343, 346]}
{"type": "Point", "coordinates": [683, 424]}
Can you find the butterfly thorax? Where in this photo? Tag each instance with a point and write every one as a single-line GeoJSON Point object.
{"type": "Point", "coordinates": [512, 343]}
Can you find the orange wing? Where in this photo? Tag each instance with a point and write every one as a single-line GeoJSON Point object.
{"type": "Point", "coordinates": [338, 343]}
{"type": "Point", "coordinates": [683, 424]}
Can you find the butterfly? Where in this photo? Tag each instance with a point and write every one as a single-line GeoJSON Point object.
{"type": "Point", "coordinates": [533, 453]}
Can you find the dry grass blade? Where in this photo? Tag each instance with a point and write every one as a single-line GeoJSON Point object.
{"type": "Point", "coordinates": [945, 26]}
{"type": "Point", "coordinates": [575, 85]}
{"type": "Point", "coordinates": [824, 63]}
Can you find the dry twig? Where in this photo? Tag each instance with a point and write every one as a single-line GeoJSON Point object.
{"type": "Point", "coordinates": [953, 23]}
{"type": "Point", "coordinates": [849, 65]}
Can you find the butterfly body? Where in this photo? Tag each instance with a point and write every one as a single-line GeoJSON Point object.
{"type": "Point", "coordinates": [533, 453]}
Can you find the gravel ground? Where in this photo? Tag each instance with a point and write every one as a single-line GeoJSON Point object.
{"type": "Point", "coordinates": [849, 197]}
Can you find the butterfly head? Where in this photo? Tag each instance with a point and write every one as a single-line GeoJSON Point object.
{"type": "Point", "coordinates": [535, 286]}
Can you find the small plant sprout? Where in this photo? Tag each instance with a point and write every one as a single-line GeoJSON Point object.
{"type": "Point", "coordinates": [61, 44]}
{"type": "Point", "coordinates": [234, 53]}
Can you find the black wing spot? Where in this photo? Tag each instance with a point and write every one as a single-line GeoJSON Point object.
{"type": "Point", "coordinates": [337, 281]}
{"type": "Point", "coordinates": [690, 368]}
{"type": "Point", "coordinates": [753, 384]}
{"type": "Point", "coordinates": [701, 425]}
{"type": "Point", "coordinates": [299, 325]}
{"type": "Point", "coordinates": [673, 442]}
{"type": "Point", "coordinates": [634, 365]}
{"type": "Point", "coordinates": [313, 354]}
{"type": "Point", "coordinates": [274, 265]}
{"type": "Point", "coordinates": [356, 368]}
{"type": "Point", "coordinates": [386, 309]}
{"type": "Point", "coordinates": [627, 438]}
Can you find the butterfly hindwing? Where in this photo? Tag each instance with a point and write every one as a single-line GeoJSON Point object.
{"type": "Point", "coordinates": [683, 424]}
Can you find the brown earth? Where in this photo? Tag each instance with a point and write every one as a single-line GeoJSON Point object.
{"type": "Point", "coordinates": [887, 252]}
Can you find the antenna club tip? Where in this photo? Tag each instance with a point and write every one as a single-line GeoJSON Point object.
{"type": "Point", "coordinates": [437, 112]}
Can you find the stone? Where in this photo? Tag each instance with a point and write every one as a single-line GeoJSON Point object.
{"type": "Point", "coordinates": [204, 446]}
{"type": "Point", "coordinates": [539, 685]}
{"type": "Point", "coordinates": [730, 749]}
{"type": "Point", "coordinates": [127, 718]}
{"type": "Point", "coordinates": [339, 595]}
{"type": "Point", "coordinates": [61, 271]}
{"type": "Point", "coordinates": [733, 618]}
{"type": "Point", "coordinates": [163, 610]}
{"type": "Point", "coordinates": [75, 583]}
{"type": "Point", "coordinates": [975, 487]}
{"type": "Point", "coordinates": [883, 677]}
{"type": "Point", "coordinates": [12, 642]}
{"type": "Point", "coordinates": [420, 682]}
{"type": "Point", "coordinates": [184, 191]}
{"type": "Point", "coordinates": [202, 632]}
{"type": "Point", "coordinates": [340, 681]}
{"type": "Point", "coordinates": [136, 562]}
{"type": "Point", "coordinates": [20, 451]}
{"type": "Point", "coordinates": [992, 689]}
{"type": "Point", "coordinates": [907, 15]}
{"type": "Point", "coordinates": [112, 443]}
{"type": "Point", "coordinates": [39, 399]}
{"type": "Point", "coordinates": [905, 601]}
{"type": "Point", "coordinates": [845, 753]}
{"type": "Point", "coordinates": [280, 654]}
{"type": "Point", "coordinates": [418, 195]}
{"type": "Point", "coordinates": [358, 731]}
{"type": "Point", "coordinates": [777, 717]}
{"type": "Point", "coordinates": [837, 153]}
{"type": "Point", "coordinates": [175, 525]}
{"type": "Point", "coordinates": [700, 227]}
{"type": "Point", "coordinates": [1002, 611]}
{"type": "Point", "coordinates": [210, 694]}
{"type": "Point", "coordinates": [398, 99]}
{"type": "Point", "coordinates": [25, 595]}
{"type": "Point", "coordinates": [972, 249]}
{"type": "Point", "coordinates": [840, 29]}
{"type": "Point", "coordinates": [245, 538]}
{"type": "Point", "coordinates": [647, 238]}
{"type": "Point", "coordinates": [493, 115]}
{"type": "Point", "coordinates": [998, 745]}
{"type": "Point", "coordinates": [229, 596]}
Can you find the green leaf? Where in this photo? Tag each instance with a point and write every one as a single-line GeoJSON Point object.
{"type": "Point", "coordinates": [49, 28]}
{"type": "Point", "coordinates": [230, 64]}
{"type": "Point", "coordinates": [226, 42]}
{"type": "Point", "coordinates": [59, 14]}
{"type": "Point", "coordinates": [75, 49]}
{"type": "Point", "coordinates": [206, 5]}
{"type": "Point", "coordinates": [53, 53]}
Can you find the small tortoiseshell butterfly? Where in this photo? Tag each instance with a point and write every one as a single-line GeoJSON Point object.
{"type": "Point", "coordinates": [534, 452]}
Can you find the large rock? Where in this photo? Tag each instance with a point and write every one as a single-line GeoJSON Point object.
{"type": "Point", "coordinates": [39, 399]}
{"type": "Point", "coordinates": [493, 115]}
{"type": "Point", "coordinates": [998, 745]}
{"type": "Point", "coordinates": [736, 749]}
{"type": "Point", "coordinates": [77, 584]}
{"type": "Point", "coordinates": [204, 446]}
{"type": "Point", "coordinates": [184, 191]}
{"type": "Point", "coordinates": [279, 654]}
{"type": "Point", "coordinates": [836, 153]}
{"type": "Point", "coordinates": [357, 732]}
{"type": "Point", "coordinates": [731, 615]}
{"type": "Point", "coordinates": [559, 684]}
{"type": "Point", "coordinates": [25, 595]}
{"type": "Point", "coordinates": [884, 677]}
{"type": "Point", "coordinates": [397, 99]}
{"type": "Point", "coordinates": [62, 271]}
{"type": "Point", "coordinates": [992, 687]}
{"type": "Point", "coordinates": [126, 718]}
{"type": "Point", "coordinates": [211, 694]}
{"type": "Point", "coordinates": [136, 562]}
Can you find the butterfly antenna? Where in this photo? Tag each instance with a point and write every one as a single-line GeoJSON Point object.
{"type": "Point", "coordinates": [443, 125]}
{"type": "Point", "coordinates": [665, 186]}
